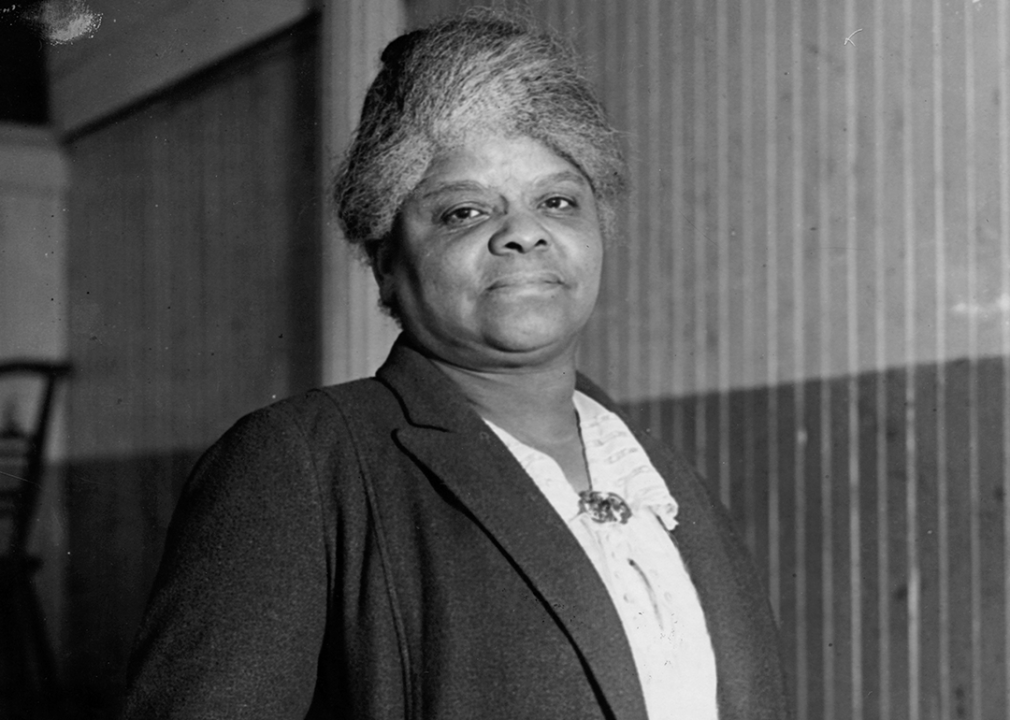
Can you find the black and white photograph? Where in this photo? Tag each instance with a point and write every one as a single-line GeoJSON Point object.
{"type": "Point", "coordinates": [505, 359]}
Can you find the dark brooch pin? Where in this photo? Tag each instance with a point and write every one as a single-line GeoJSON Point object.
{"type": "Point", "coordinates": [604, 507]}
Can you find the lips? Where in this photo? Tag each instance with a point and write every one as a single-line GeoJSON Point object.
{"type": "Point", "coordinates": [533, 279]}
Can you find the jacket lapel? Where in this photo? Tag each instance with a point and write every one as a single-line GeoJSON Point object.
{"type": "Point", "coordinates": [465, 456]}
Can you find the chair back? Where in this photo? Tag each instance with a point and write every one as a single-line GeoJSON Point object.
{"type": "Point", "coordinates": [27, 391]}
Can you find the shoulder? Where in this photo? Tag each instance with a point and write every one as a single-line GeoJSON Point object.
{"type": "Point", "coordinates": [310, 436]}
{"type": "Point", "coordinates": [299, 457]}
{"type": "Point", "coordinates": [321, 414]}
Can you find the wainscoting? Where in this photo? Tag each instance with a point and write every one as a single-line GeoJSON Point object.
{"type": "Point", "coordinates": [118, 511]}
{"type": "Point", "coordinates": [875, 507]}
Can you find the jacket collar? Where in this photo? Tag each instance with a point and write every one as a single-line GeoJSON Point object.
{"type": "Point", "coordinates": [430, 399]}
{"type": "Point", "coordinates": [449, 438]}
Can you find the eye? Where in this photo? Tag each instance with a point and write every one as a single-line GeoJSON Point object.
{"type": "Point", "coordinates": [559, 202]}
{"type": "Point", "coordinates": [461, 215]}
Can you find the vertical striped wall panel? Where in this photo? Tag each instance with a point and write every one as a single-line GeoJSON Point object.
{"type": "Point", "coordinates": [827, 174]}
{"type": "Point", "coordinates": [812, 299]}
{"type": "Point", "coordinates": [193, 259]}
{"type": "Point", "coordinates": [355, 335]}
{"type": "Point", "coordinates": [886, 568]}
{"type": "Point", "coordinates": [194, 247]}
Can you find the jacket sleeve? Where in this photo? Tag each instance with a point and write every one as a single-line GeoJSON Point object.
{"type": "Point", "coordinates": [237, 615]}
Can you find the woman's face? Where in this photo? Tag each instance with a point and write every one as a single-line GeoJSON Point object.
{"type": "Point", "coordinates": [497, 257]}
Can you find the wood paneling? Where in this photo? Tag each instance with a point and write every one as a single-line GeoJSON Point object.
{"type": "Point", "coordinates": [194, 254]}
{"type": "Point", "coordinates": [356, 335]}
{"type": "Point", "coordinates": [822, 191]}
{"type": "Point", "coordinates": [891, 591]}
{"type": "Point", "coordinates": [119, 510]}
{"type": "Point", "coordinates": [194, 282]}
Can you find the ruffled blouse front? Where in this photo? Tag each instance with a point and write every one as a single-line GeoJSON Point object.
{"type": "Point", "coordinates": [635, 558]}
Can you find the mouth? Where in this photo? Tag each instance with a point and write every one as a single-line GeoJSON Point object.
{"type": "Point", "coordinates": [532, 280]}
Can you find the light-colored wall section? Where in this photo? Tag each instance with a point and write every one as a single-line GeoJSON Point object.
{"type": "Point", "coordinates": [139, 48]}
{"type": "Point", "coordinates": [33, 308]}
{"type": "Point", "coordinates": [356, 335]}
{"type": "Point", "coordinates": [33, 317]}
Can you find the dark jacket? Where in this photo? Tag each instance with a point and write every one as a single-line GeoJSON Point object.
{"type": "Point", "coordinates": [372, 550]}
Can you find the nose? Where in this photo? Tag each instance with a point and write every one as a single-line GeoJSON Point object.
{"type": "Point", "coordinates": [520, 232]}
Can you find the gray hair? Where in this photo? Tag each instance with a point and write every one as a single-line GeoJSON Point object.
{"type": "Point", "coordinates": [477, 73]}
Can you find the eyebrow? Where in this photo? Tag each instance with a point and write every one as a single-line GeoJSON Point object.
{"type": "Point", "coordinates": [426, 189]}
{"type": "Point", "coordinates": [563, 175]}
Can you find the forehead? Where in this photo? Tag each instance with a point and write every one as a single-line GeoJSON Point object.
{"type": "Point", "coordinates": [494, 160]}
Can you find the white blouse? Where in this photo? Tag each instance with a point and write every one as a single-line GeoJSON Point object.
{"type": "Point", "coordinates": [636, 560]}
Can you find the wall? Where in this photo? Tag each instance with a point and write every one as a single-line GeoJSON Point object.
{"type": "Point", "coordinates": [879, 525]}
{"type": "Point", "coordinates": [194, 279]}
{"type": "Point", "coordinates": [33, 181]}
{"type": "Point", "coordinates": [193, 243]}
{"type": "Point", "coordinates": [34, 321]}
{"type": "Point", "coordinates": [355, 336]}
{"type": "Point", "coordinates": [124, 51]}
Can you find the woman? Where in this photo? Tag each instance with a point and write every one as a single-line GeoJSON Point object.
{"type": "Point", "coordinates": [475, 532]}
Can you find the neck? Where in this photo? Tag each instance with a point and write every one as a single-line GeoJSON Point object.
{"type": "Point", "coordinates": [535, 406]}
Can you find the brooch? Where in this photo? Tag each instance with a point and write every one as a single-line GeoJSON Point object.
{"type": "Point", "coordinates": [604, 507]}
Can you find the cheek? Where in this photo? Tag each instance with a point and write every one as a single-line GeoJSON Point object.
{"type": "Point", "coordinates": [441, 280]}
{"type": "Point", "coordinates": [595, 251]}
{"type": "Point", "coordinates": [592, 292]}
{"type": "Point", "coordinates": [592, 258]}
{"type": "Point", "coordinates": [593, 273]}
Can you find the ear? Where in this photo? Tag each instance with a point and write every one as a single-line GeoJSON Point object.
{"type": "Point", "coordinates": [383, 255]}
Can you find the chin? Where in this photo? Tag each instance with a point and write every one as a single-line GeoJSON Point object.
{"type": "Point", "coordinates": [532, 341]}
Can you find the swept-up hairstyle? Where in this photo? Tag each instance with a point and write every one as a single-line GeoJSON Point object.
{"type": "Point", "coordinates": [477, 73]}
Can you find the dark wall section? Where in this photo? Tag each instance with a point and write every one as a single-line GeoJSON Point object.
{"type": "Point", "coordinates": [118, 513]}
{"type": "Point", "coordinates": [875, 507]}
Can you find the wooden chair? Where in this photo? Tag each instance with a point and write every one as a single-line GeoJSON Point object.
{"type": "Point", "coordinates": [27, 665]}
